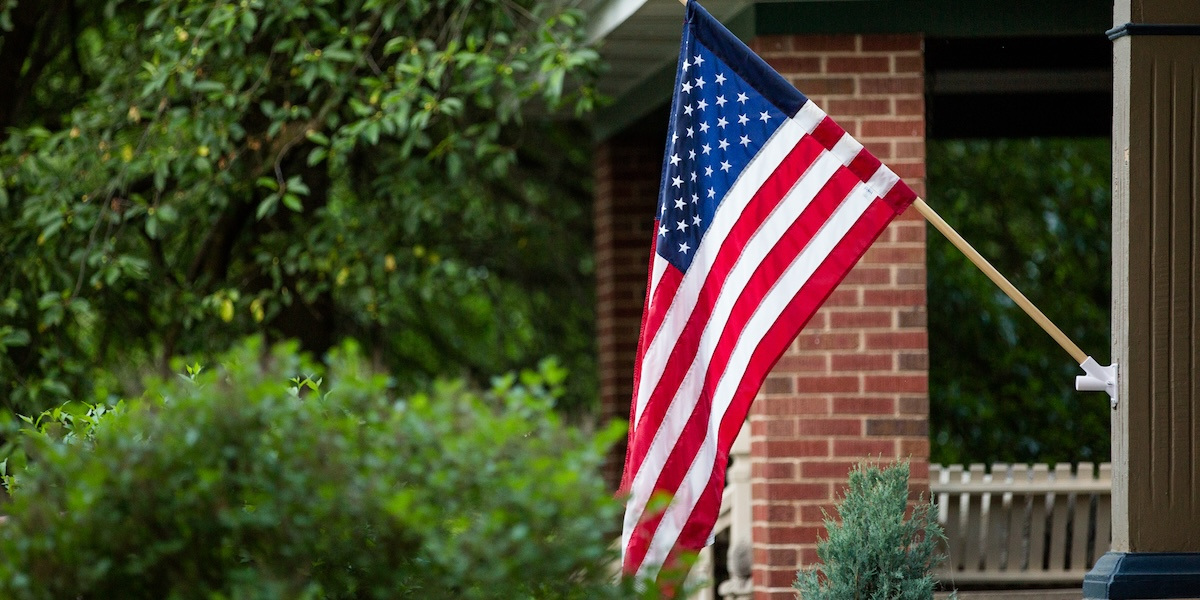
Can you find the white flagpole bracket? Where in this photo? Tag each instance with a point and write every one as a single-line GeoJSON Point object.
{"type": "Point", "coordinates": [1098, 379]}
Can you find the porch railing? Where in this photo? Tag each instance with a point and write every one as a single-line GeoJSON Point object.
{"type": "Point", "coordinates": [1007, 526]}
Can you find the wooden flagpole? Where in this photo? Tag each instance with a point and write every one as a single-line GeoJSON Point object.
{"type": "Point", "coordinates": [1000, 280]}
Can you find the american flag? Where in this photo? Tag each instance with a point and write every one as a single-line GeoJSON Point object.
{"type": "Point", "coordinates": [765, 204]}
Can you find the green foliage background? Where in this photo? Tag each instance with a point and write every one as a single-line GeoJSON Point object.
{"type": "Point", "coordinates": [233, 484]}
{"type": "Point", "coordinates": [177, 174]}
{"type": "Point", "coordinates": [1000, 388]}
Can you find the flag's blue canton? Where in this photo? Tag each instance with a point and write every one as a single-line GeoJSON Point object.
{"type": "Point", "coordinates": [719, 123]}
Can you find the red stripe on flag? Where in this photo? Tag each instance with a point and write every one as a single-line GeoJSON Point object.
{"type": "Point", "coordinates": [828, 133]}
{"type": "Point", "coordinates": [864, 165]}
{"type": "Point", "coordinates": [900, 196]}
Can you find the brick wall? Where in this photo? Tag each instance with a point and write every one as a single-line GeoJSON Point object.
{"type": "Point", "coordinates": [627, 170]}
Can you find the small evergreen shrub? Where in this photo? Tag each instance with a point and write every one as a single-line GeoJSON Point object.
{"type": "Point", "coordinates": [876, 553]}
{"type": "Point", "coordinates": [233, 484]}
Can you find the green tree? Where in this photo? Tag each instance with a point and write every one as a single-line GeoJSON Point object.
{"type": "Point", "coordinates": [1000, 388]}
{"type": "Point", "coordinates": [876, 552]}
{"type": "Point", "coordinates": [180, 173]}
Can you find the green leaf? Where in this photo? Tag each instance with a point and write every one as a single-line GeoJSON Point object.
{"type": "Point", "coordinates": [292, 201]}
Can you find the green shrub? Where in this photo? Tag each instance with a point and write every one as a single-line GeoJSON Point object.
{"type": "Point", "coordinates": [876, 553]}
{"type": "Point", "coordinates": [233, 484]}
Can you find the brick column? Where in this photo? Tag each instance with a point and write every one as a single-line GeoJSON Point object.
{"type": "Point", "coordinates": [853, 386]}
{"type": "Point", "coordinates": [627, 170]}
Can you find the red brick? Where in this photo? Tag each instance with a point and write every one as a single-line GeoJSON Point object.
{"type": "Point", "coordinates": [889, 254]}
{"type": "Point", "coordinates": [914, 448]}
{"type": "Point", "coordinates": [817, 384]}
{"type": "Point", "coordinates": [862, 362]}
{"type": "Point", "coordinates": [758, 512]}
{"type": "Point", "coordinates": [843, 297]}
{"type": "Point", "coordinates": [909, 232]}
{"type": "Point", "coordinates": [781, 428]}
{"type": "Point", "coordinates": [792, 363]}
{"type": "Point", "coordinates": [908, 64]}
{"type": "Point", "coordinates": [879, 128]}
{"type": "Point", "coordinates": [815, 513]}
{"type": "Point", "coordinates": [892, 84]}
{"type": "Point", "coordinates": [867, 275]}
{"type": "Point", "coordinates": [778, 385]}
{"type": "Point", "coordinates": [760, 579]}
{"type": "Point", "coordinates": [897, 340]}
{"type": "Point", "coordinates": [840, 108]}
{"type": "Point", "coordinates": [908, 171]}
{"type": "Point", "coordinates": [898, 384]}
{"type": "Point", "coordinates": [793, 534]}
{"type": "Point", "coordinates": [781, 578]}
{"type": "Point", "coordinates": [901, 42]}
{"type": "Point", "coordinates": [918, 470]}
{"type": "Point", "coordinates": [823, 43]}
{"type": "Point", "coordinates": [774, 470]}
{"type": "Point", "coordinates": [910, 148]}
{"type": "Point", "coordinates": [914, 361]}
{"type": "Point", "coordinates": [912, 318]}
{"type": "Point", "coordinates": [828, 341]}
{"type": "Point", "coordinates": [758, 427]}
{"type": "Point", "coordinates": [795, 65]}
{"type": "Point", "coordinates": [911, 275]}
{"type": "Point", "coordinates": [777, 491]}
{"type": "Point", "coordinates": [797, 448]}
{"type": "Point", "coordinates": [854, 405]}
{"type": "Point", "coordinates": [780, 513]}
{"type": "Point", "coordinates": [808, 556]}
{"type": "Point", "coordinates": [779, 556]}
{"type": "Point", "coordinates": [909, 107]}
{"type": "Point", "coordinates": [817, 321]}
{"type": "Point", "coordinates": [881, 148]}
{"type": "Point", "coordinates": [825, 469]}
{"type": "Point", "coordinates": [829, 427]}
{"type": "Point", "coordinates": [894, 297]}
{"type": "Point", "coordinates": [791, 406]}
{"type": "Point", "coordinates": [857, 64]}
{"type": "Point", "coordinates": [824, 86]}
{"type": "Point", "coordinates": [864, 448]}
{"type": "Point", "coordinates": [843, 319]}
{"type": "Point", "coordinates": [897, 427]}
{"type": "Point", "coordinates": [762, 593]}
{"type": "Point", "coordinates": [914, 405]}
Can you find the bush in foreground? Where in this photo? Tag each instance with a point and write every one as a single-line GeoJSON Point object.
{"type": "Point", "coordinates": [876, 553]}
{"type": "Point", "coordinates": [234, 484]}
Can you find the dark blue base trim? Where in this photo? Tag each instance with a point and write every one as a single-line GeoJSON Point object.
{"type": "Point", "coordinates": [1144, 575]}
{"type": "Point", "coordinates": [1121, 31]}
